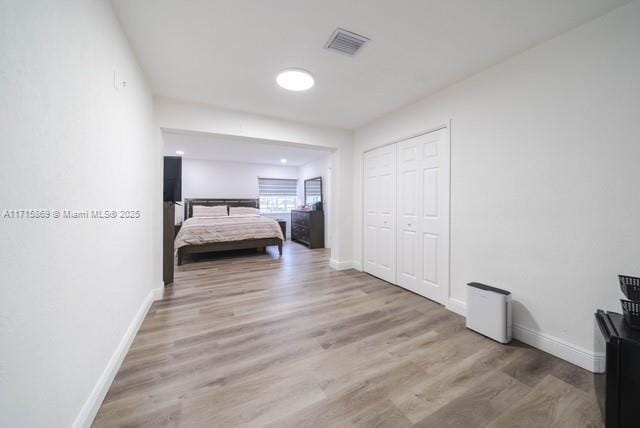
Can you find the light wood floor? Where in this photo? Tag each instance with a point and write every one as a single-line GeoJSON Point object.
{"type": "Point", "coordinates": [257, 340]}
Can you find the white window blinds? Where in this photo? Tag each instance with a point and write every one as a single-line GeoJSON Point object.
{"type": "Point", "coordinates": [277, 187]}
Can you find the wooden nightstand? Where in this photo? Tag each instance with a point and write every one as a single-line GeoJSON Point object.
{"type": "Point", "coordinates": [283, 226]}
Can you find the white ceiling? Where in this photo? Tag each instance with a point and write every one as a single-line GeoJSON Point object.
{"type": "Point", "coordinates": [238, 149]}
{"type": "Point", "coordinates": [227, 52]}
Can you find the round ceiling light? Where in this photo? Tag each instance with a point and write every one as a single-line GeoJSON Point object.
{"type": "Point", "coordinates": [179, 152]}
{"type": "Point", "coordinates": [295, 79]}
{"type": "Point", "coordinates": [283, 160]}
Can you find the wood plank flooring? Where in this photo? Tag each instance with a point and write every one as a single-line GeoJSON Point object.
{"type": "Point", "coordinates": [262, 341]}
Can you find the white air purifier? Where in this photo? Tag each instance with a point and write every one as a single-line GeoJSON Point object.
{"type": "Point", "coordinates": [489, 311]}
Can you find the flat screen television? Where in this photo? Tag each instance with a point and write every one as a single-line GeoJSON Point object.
{"type": "Point", "coordinates": [172, 178]}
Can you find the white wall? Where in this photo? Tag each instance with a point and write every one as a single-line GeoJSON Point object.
{"type": "Point", "coordinates": [71, 288]}
{"type": "Point", "coordinates": [544, 189]}
{"type": "Point", "coordinates": [183, 116]}
{"type": "Point", "coordinates": [222, 179]}
{"type": "Point", "coordinates": [319, 168]}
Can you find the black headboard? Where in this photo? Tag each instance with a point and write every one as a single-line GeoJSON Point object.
{"type": "Point", "coordinates": [189, 203]}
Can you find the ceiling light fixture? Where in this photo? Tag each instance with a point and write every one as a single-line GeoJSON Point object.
{"type": "Point", "coordinates": [295, 79]}
{"type": "Point", "coordinates": [283, 160]}
{"type": "Point", "coordinates": [179, 152]}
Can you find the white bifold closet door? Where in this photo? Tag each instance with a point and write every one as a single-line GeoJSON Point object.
{"type": "Point", "coordinates": [423, 215]}
{"type": "Point", "coordinates": [379, 251]}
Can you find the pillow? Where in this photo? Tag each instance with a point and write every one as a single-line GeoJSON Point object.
{"type": "Point", "coordinates": [204, 211]}
{"type": "Point", "coordinates": [244, 212]}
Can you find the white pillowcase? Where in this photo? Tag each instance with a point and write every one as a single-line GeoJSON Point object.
{"type": "Point", "coordinates": [204, 211]}
{"type": "Point", "coordinates": [243, 212]}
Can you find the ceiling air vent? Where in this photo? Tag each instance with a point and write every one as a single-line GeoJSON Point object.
{"type": "Point", "coordinates": [346, 42]}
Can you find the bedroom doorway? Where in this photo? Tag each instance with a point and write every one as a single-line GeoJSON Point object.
{"type": "Point", "coordinates": [218, 168]}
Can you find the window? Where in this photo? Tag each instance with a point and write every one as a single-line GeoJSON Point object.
{"type": "Point", "coordinates": [277, 195]}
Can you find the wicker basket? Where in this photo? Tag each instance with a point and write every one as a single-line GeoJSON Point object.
{"type": "Point", "coordinates": [630, 286]}
{"type": "Point", "coordinates": [631, 313]}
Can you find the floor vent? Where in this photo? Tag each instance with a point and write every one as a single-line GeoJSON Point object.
{"type": "Point", "coordinates": [346, 42]}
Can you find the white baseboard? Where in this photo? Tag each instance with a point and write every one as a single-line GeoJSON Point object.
{"type": "Point", "coordinates": [92, 405]}
{"type": "Point", "coordinates": [357, 265]}
{"type": "Point", "coordinates": [457, 306]}
{"type": "Point", "coordinates": [341, 265]}
{"type": "Point", "coordinates": [158, 293]}
{"type": "Point", "coordinates": [545, 342]}
{"type": "Point", "coordinates": [560, 348]}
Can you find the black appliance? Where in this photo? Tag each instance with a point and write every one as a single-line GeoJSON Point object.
{"type": "Point", "coordinates": [172, 178]}
{"type": "Point", "coordinates": [618, 387]}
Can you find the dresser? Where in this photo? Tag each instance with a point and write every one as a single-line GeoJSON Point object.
{"type": "Point", "coordinates": [307, 227]}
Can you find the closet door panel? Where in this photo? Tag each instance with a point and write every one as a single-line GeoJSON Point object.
{"type": "Point", "coordinates": [408, 192]}
{"type": "Point", "coordinates": [434, 216]}
{"type": "Point", "coordinates": [408, 251]}
{"type": "Point", "coordinates": [386, 242]}
{"type": "Point", "coordinates": [407, 274]}
{"type": "Point", "coordinates": [379, 238]}
{"type": "Point", "coordinates": [430, 192]}
{"type": "Point", "coordinates": [430, 258]}
{"type": "Point", "coordinates": [370, 214]}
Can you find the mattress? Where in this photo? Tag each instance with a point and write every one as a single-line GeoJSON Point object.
{"type": "Point", "coordinates": [208, 230]}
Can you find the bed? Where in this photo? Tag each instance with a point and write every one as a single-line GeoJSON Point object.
{"type": "Point", "coordinates": [224, 233]}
